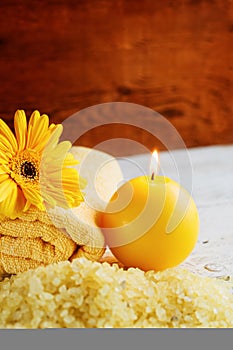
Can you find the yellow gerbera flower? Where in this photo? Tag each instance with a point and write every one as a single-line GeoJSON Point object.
{"type": "Point", "coordinates": [35, 169]}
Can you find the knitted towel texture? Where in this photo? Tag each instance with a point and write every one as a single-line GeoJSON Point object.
{"type": "Point", "coordinates": [40, 238]}
{"type": "Point", "coordinates": [32, 240]}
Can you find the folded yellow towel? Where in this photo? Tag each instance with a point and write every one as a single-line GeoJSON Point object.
{"type": "Point", "coordinates": [40, 238]}
{"type": "Point", "coordinates": [32, 240]}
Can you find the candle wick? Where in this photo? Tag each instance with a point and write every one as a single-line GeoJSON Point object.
{"type": "Point", "coordinates": [153, 176]}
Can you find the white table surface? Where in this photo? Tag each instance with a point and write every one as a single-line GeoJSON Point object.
{"type": "Point", "coordinates": [207, 172]}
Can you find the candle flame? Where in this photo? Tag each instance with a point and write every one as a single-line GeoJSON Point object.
{"type": "Point", "coordinates": [154, 165]}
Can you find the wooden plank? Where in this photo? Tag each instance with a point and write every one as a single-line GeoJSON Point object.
{"type": "Point", "coordinates": [173, 56]}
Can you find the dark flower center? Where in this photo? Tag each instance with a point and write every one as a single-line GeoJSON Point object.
{"type": "Point", "coordinates": [28, 170]}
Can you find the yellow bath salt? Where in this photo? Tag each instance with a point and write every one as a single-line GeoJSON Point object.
{"type": "Point", "coordinates": [91, 294]}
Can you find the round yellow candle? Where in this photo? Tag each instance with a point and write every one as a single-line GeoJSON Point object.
{"type": "Point", "coordinates": [151, 222]}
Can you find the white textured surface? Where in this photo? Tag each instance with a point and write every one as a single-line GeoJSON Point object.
{"type": "Point", "coordinates": [209, 176]}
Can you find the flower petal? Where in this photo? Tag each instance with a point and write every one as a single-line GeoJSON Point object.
{"type": "Point", "coordinates": [5, 145]}
{"type": "Point", "coordinates": [13, 205]}
{"type": "Point", "coordinates": [31, 124]}
{"type": "Point", "coordinates": [3, 177]}
{"type": "Point", "coordinates": [4, 169]}
{"type": "Point", "coordinates": [38, 131]}
{"type": "Point", "coordinates": [20, 123]}
{"type": "Point", "coordinates": [60, 151]}
{"type": "Point", "coordinates": [27, 206]}
{"type": "Point", "coordinates": [70, 160]}
{"type": "Point", "coordinates": [53, 140]}
{"type": "Point", "coordinates": [34, 197]}
{"type": "Point", "coordinates": [40, 146]}
{"type": "Point", "coordinates": [4, 157]}
{"type": "Point", "coordinates": [69, 174]}
{"type": "Point", "coordinates": [50, 200]}
{"type": "Point", "coordinates": [6, 185]}
{"type": "Point", "coordinates": [52, 127]}
{"type": "Point", "coordinates": [8, 134]}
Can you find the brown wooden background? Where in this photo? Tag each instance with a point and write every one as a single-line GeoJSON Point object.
{"type": "Point", "coordinates": [173, 56]}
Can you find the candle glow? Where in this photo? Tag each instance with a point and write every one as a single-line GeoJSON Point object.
{"type": "Point", "coordinates": [154, 165]}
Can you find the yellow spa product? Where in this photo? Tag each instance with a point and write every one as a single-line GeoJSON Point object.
{"type": "Point", "coordinates": [94, 295]}
{"type": "Point", "coordinates": [150, 224]}
{"type": "Point", "coordinates": [32, 240]}
{"type": "Point", "coordinates": [43, 215]}
{"type": "Point", "coordinates": [76, 226]}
